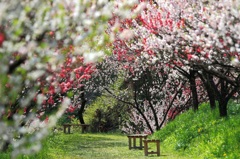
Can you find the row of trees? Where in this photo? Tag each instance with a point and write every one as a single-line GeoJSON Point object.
{"type": "Point", "coordinates": [46, 50]}
{"type": "Point", "coordinates": [170, 56]}
{"type": "Point", "coordinates": [176, 54]}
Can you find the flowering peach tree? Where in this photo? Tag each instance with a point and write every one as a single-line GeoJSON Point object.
{"type": "Point", "coordinates": [35, 71]}
{"type": "Point", "coordinates": [152, 91]}
{"type": "Point", "coordinates": [197, 38]}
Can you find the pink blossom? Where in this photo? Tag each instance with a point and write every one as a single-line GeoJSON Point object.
{"type": "Point", "coordinates": [50, 100]}
{"type": "Point", "coordinates": [2, 38]}
{"type": "Point", "coordinates": [189, 56]}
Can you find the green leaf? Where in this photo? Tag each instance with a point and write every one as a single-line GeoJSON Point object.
{"type": "Point", "coordinates": [70, 94]}
{"type": "Point", "coordinates": [18, 32]}
{"type": "Point", "coordinates": [27, 9]}
{"type": "Point", "coordinates": [43, 45]}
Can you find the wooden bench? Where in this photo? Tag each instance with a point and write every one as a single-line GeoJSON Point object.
{"type": "Point", "coordinates": [134, 137]}
{"type": "Point", "coordinates": [68, 127]}
{"type": "Point", "coordinates": [146, 152]}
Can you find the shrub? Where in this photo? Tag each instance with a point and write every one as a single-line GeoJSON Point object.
{"type": "Point", "coordinates": [102, 115]}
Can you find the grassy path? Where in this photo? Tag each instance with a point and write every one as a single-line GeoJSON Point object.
{"type": "Point", "coordinates": [97, 146]}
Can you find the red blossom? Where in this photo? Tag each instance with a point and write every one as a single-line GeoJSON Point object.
{"type": "Point", "coordinates": [189, 56]}
{"type": "Point", "coordinates": [63, 87]}
{"type": "Point", "coordinates": [71, 109]}
{"type": "Point", "coordinates": [207, 55]}
{"type": "Point", "coordinates": [50, 100]}
{"type": "Point", "coordinates": [35, 98]}
{"type": "Point", "coordinates": [78, 76]}
{"type": "Point", "coordinates": [46, 119]}
{"type": "Point", "coordinates": [51, 33]}
{"type": "Point", "coordinates": [198, 50]}
{"type": "Point", "coordinates": [221, 40]}
{"type": "Point", "coordinates": [2, 38]}
{"type": "Point", "coordinates": [51, 89]}
{"type": "Point", "coordinates": [25, 110]}
{"type": "Point", "coordinates": [79, 69]}
{"type": "Point", "coordinates": [85, 77]}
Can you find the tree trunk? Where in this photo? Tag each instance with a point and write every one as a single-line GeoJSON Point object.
{"type": "Point", "coordinates": [211, 92]}
{"type": "Point", "coordinates": [222, 99]}
{"type": "Point", "coordinates": [193, 90]}
{"type": "Point", "coordinates": [211, 97]}
{"type": "Point", "coordinates": [83, 103]}
{"type": "Point", "coordinates": [80, 117]}
{"type": "Point", "coordinates": [154, 114]}
{"type": "Point", "coordinates": [223, 108]}
{"type": "Point", "coordinates": [145, 119]}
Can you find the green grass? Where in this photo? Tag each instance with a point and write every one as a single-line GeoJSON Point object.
{"type": "Point", "coordinates": [192, 135]}
{"type": "Point", "coordinates": [203, 134]}
{"type": "Point", "coordinates": [99, 146]}
{"type": "Point", "coordinates": [92, 146]}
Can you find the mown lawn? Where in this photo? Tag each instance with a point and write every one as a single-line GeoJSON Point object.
{"type": "Point", "coordinates": [93, 146]}
{"type": "Point", "coordinates": [97, 146]}
{"type": "Point", "coordinates": [192, 135]}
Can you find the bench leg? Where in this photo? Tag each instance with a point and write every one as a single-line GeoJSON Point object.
{"type": "Point", "coordinates": [140, 143]}
{"type": "Point", "coordinates": [158, 148]}
{"type": "Point", "coordinates": [129, 143]}
{"type": "Point", "coordinates": [134, 142]}
{"type": "Point", "coordinates": [84, 129]}
{"type": "Point", "coordinates": [146, 148]}
{"type": "Point", "coordinates": [69, 129]}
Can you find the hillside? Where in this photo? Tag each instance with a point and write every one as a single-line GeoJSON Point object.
{"type": "Point", "coordinates": [203, 134]}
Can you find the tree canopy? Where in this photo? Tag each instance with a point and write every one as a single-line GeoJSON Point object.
{"type": "Point", "coordinates": [161, 55]}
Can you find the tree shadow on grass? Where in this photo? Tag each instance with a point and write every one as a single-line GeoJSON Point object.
{"type": "Point", "coordinates": [97, 146]}
{"type": "Point", "coordinates": [85, 141]}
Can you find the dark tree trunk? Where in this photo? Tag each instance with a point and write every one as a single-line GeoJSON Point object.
{"type": "Point", "coordinates": [223, 108]}
{"type": "Point", "coordinates": [170, 105]}
{"type": "Point", "coordinates": [139, 110]}
{"type": "Point", "coordinates": [80, 117]}
{"type": "Point", "coordinates": [83, 103]}
{"type": "Point", "coordinates": [193, 90]}
{"type": "Point", "coordinates": [211, 97]}
{"type": "Point", "coordinates": [223, 95]}
{"type": "Point", "coordinates": [222, 99]}
{"type": "Point", "coordinates": [154, 114]}
{"type": "Point", "coordinates": [210, 90]}
{"type": "Point", "coordinates": [145, 119]}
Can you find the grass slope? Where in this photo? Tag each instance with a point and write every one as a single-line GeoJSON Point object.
{"type": "Point", "coordinates": [203, 134]}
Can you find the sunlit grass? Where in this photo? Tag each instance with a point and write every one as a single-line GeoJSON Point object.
{"type": "Point", "coordinates": [92, 146]}
{"type": "Point", "coordinates": [192, 135]}
{"type": "Point", "coordinates": [203, 134]}
{"type": "Point", "coordinates": [87, 146]}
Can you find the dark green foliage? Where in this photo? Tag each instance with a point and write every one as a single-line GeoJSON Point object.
{"type": "Point", "coordinates": [65, 118]}
{"type": "Point", "coordinates": [103, 115]}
